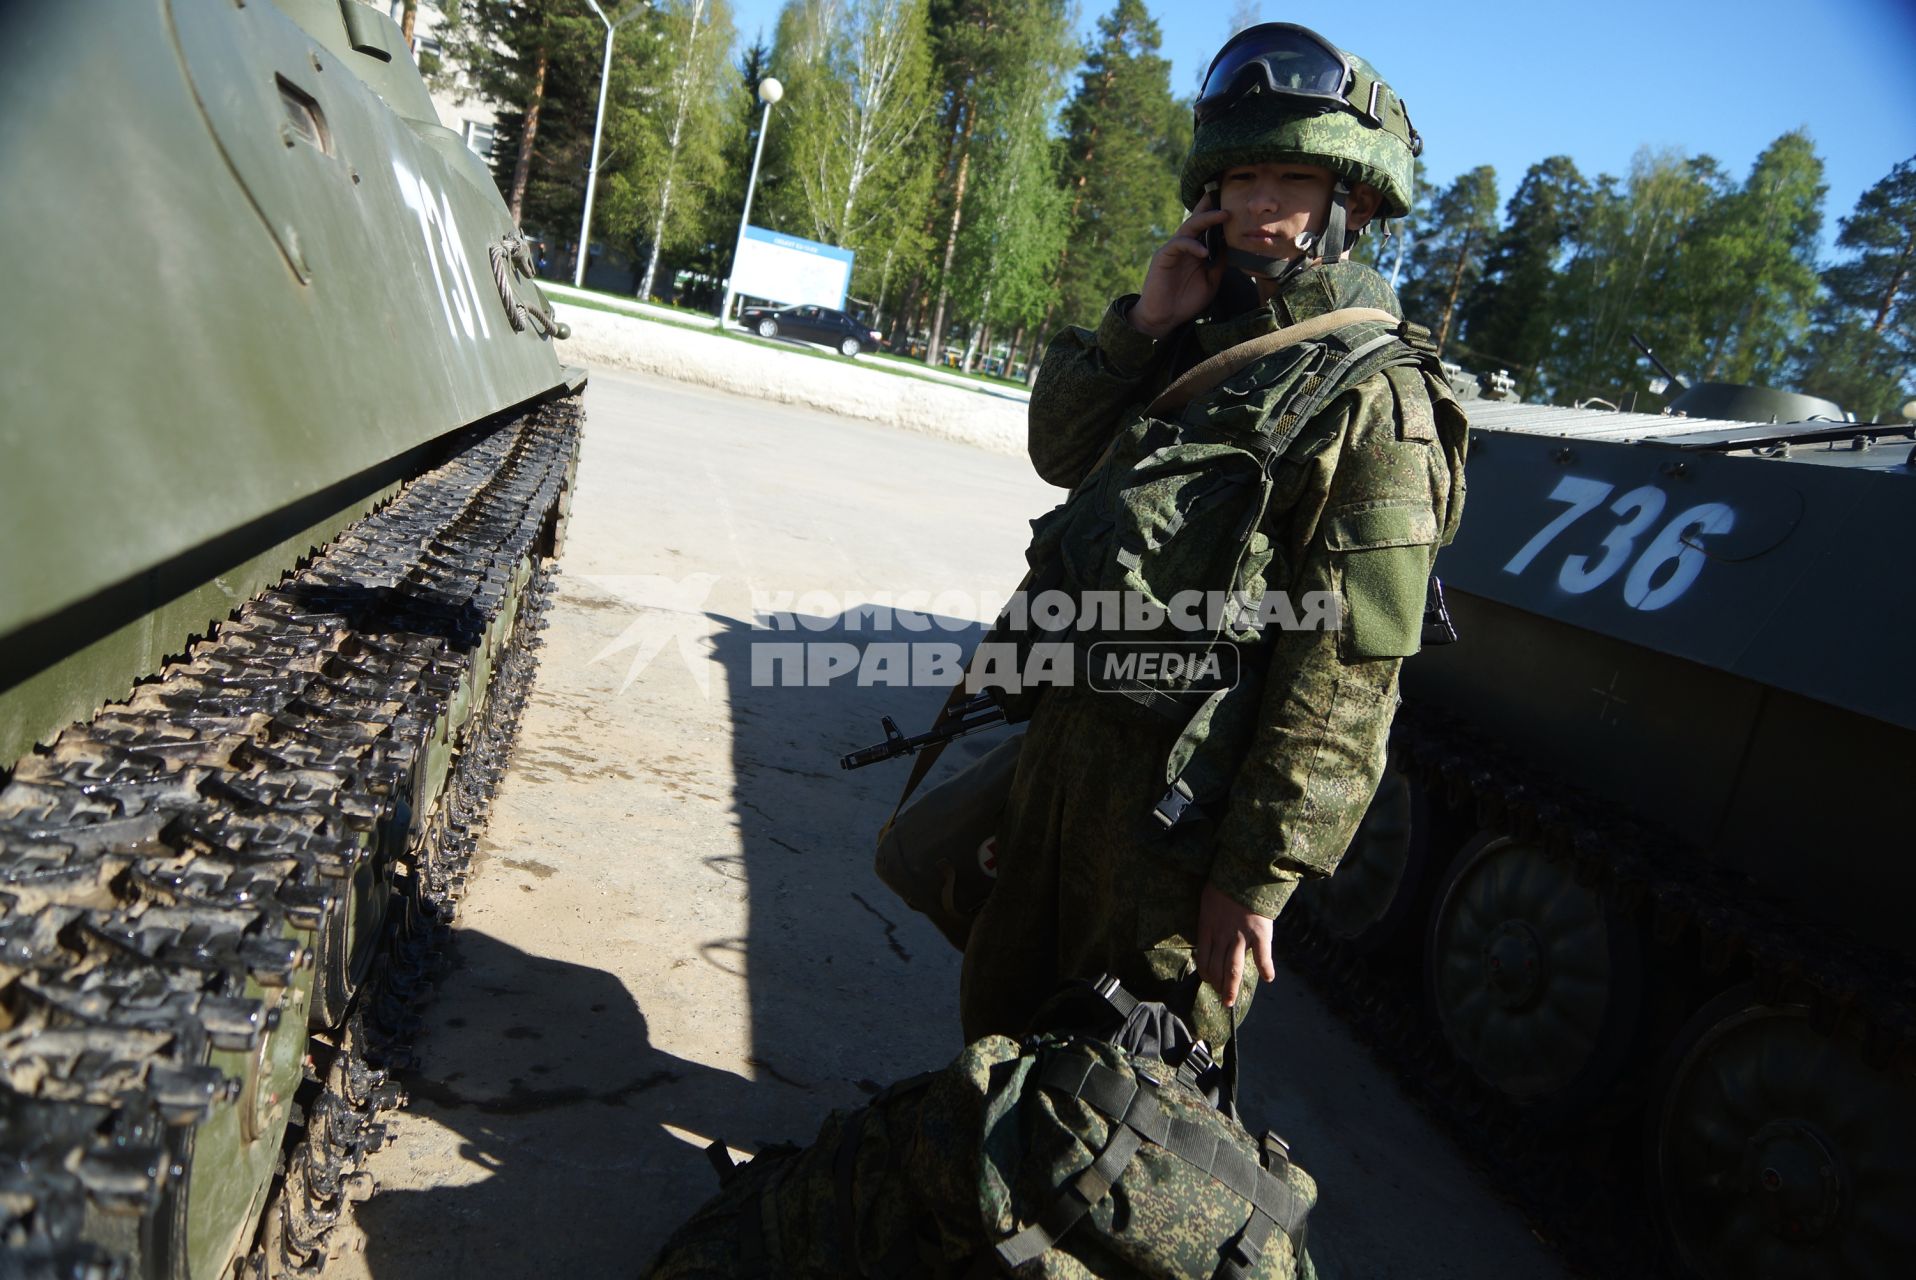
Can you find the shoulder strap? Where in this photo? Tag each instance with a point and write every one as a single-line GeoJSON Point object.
{"type": "Point", "coordinates": [1203, 377]}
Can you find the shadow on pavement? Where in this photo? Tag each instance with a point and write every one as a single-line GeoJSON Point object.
{"type": "Point", "coordinates": [541, 1075]}
{"type": "Point", "coordinates": [849, 989]}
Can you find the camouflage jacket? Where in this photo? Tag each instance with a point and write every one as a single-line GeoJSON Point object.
{"type": "Point", "coordinates": [1367, 492]}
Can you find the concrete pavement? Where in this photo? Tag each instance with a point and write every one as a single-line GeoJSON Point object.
{"type": "Point", "coordinates": [674, 932]}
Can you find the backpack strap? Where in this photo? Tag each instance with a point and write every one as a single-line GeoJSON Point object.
{"type": "Point", "coordinates": [1131, 1105]}
{"type": "Point", "coordinates": [1360, 362]}
{"type": "Point", "coordinates": [1076, 1199]}
{"type": "Point", "coordinates": [845, 1173]}
{"type": "Point", "coordinates": [1201, 378]}
{"type": "Point", "coordinates": [759, 1254]}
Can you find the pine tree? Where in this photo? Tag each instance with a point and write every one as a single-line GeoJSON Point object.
{"type": "Point", "coordinates": [1862, 353]}
{"type": "Point", "coordinates": [968, 35]}
{"type": "Point", "coordinates": [1446, 259]}
{"type": "Point", "coordinates": [1122, 151]}
{"type": "Point", "coordinates": [538, 61]}
{"type": "Point", "coordinates": [1509, 318]}
{"type": "Point", "coordinates": [708, 255]}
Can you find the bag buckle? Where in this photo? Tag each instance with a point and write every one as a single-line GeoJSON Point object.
{"type": "Point", "coordinates": [1175, 803]}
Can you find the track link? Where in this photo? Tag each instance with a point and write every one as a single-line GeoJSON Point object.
{"type": "Point", "coordinates": [167, 868]}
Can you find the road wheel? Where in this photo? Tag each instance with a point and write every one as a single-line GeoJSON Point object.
{"type": "Point", "coordinates": [350, 936]}
{"type": "Point", "coordinates": [1537, 980]}
{"type": "Point", "coordinates": [768, 328]}
{"type": "Point", "coordinates": [1377, 893]}
{"type": "Point", "coordinates": [849, 347]}
{"type": "Point", "coordinates": [1777, 1151]}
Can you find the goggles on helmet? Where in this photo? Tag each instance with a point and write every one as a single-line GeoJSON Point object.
{"type": "Point", "coordinates": [1295, 62]}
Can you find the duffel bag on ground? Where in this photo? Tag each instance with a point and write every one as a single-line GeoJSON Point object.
{"type": "Point", "coordinates": [1067, 1156]}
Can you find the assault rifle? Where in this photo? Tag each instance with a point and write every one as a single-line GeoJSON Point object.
{"type": "Point", "coordinates": [980, 711]}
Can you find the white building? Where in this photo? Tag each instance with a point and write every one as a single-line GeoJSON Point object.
{"type": "Point", "coordinates": [459, 108]}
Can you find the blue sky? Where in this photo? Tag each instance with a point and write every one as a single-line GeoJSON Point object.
{"type": "Point", "coordinates": [1506, 83]}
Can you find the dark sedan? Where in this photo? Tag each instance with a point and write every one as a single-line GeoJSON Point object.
{"type": "Point", "coordinates": [835, 329]}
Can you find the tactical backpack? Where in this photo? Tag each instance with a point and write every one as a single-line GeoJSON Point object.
{"type": "Point", "coordinates": [1174, 504]}
{"type": "Point", "coordinates": [1177, 505]}
{"type": "Point", "coordinates": [1068, 1156]}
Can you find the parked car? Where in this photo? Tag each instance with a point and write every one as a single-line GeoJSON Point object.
{"type": "Point", "coordinates": [810, 323]}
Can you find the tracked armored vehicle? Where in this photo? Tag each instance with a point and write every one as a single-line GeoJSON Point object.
{"type": "Point", "coordinates": [288, 452]}
{"type": "Point", "coordinates": [1632, 901]}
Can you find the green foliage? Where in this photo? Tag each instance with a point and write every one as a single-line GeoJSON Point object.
{"type": "Point", "coordinates": [1509, 317]}
{"type": "Point", "coordinates": [801, 59]}
{"type": "Point", "coordinates": [1015, 223]}
{"type": "Point", "coordinates": [1643, 265]}
{"type": "Point", "coordinates": [1124, 142]}
{"type": "Point", "coordinates": [927, 136]}
{"type": "Point", "coordinates": [1760, 244]}
{"type": "Point", "coordinates": [662, 159]}
{"type": "Point", "coordinates": [709, 252]}
{"type": "Point", "coordinates": [527, 55]}
{"type": "Point", "coordinates": [857, 139]}
{"type": "Point", "coordinates": [1863, 349]}
{"type": "Point", "coordinates": [1450, 237]}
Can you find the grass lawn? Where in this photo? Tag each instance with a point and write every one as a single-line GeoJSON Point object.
{"type": "Point", "coordinates": [617, 304]}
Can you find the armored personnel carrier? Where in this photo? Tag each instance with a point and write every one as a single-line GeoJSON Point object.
{"type": "Point", "coordinates": [288, 453]}
{"type": "Point", "coordinates": [1632, 901]}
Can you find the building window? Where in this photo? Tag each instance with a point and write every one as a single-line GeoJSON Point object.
{"type": "Point", "coordinates": [479, 138]}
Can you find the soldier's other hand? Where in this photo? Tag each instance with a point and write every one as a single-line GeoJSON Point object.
{"type": "Point", "coordinates": [1226, 931]}
{"type": "Point", "coordinates": [1182, 279]}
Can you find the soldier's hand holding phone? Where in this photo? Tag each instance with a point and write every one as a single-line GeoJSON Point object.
{"type": "Point", "coordinates": [1184, 273]}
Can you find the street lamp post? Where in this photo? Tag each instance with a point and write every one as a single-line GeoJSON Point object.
{"type": "Point", "coordinates": [769, 91]}
{"type": "Point", "coordinates": [592, 170]}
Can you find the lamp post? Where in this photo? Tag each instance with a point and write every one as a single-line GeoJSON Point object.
{"type": "Point", "coordinates": [598, 127]}
{"type": "Point", "coordinates": [769, 91]}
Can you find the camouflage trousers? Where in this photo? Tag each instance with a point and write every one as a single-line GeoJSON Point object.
{"type": "Point", "coordinates": [1088, 883]}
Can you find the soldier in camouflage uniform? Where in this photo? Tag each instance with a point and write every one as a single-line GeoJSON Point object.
{"type": "Point", "coordinates": [1297, 146]}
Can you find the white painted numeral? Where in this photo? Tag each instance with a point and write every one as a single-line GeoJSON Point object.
{"type": "Point", "coordinates": [1666, 569]}
{"type": "Point", "coordinates": [1577, 577]}
{"type": "Point", "coordinates": [1583, 497]}
{"type": "Point", "coordinates": [1677, 542]}
{"type": "Point", "coordinates": [458, 295]}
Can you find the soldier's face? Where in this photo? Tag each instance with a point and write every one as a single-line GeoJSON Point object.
{"type": "Point", "coordinates": [1271, 205]}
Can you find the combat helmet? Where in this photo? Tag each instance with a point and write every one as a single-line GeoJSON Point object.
{"type": "Point", "coordinates": [1279, 92]}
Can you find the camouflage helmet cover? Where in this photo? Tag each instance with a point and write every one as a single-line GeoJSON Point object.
{"type": "Point", "coordinates": [1267, 128]}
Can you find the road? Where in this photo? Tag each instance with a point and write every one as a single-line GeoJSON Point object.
{"type": "Point", "coordinates": [674, 932]}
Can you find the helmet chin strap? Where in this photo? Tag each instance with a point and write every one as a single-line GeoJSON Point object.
{"type": "Point", "coordinates": [1313, 246]}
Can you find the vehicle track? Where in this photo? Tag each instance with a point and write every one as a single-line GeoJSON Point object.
{"type": "Point", "coordinates": [281, 819]}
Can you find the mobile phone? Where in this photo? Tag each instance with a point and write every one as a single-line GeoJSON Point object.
{"type": "Point", "coordinates": [1213, 236]}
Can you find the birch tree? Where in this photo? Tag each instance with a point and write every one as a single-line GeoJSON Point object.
{"type": "Point", "coordinates": [1002, 274]}
{"type": "Point", "coordinates": [1637, 267]}
{"type": "Point", "coordinates": [671, 149]}
{"type": "Point", "coordinates": [856, 139]}
{"type": "Point", "coordinates": [801, 59]}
